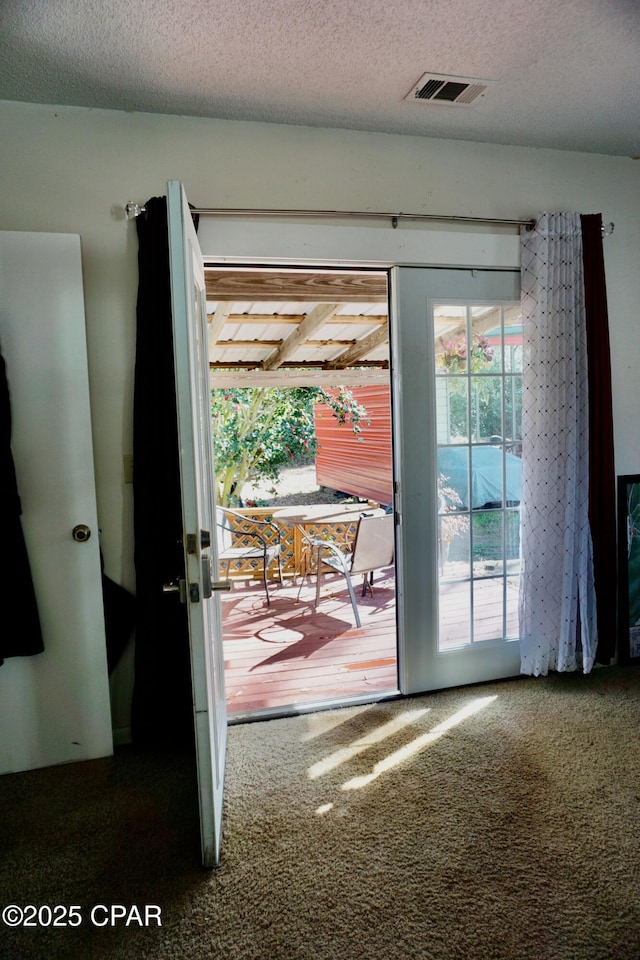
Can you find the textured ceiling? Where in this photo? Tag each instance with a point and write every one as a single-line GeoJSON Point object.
{"type": "Point", "coordinates": [567, 71]}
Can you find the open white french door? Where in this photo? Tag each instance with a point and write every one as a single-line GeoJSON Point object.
{"type": "Point", "coordinates": [198, 512]}
{"type": "Point", "coordinates": [458, 359]}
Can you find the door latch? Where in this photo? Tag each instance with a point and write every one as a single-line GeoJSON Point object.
{"type": "Point", "coordinates": [209, 585]}
{"type": "Point", "coordinates": [206, 578]}
{"type": "Point", "coordinates": [176, 586]}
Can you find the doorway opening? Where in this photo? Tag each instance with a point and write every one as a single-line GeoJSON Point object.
{"type": "Point", "coordinates": [301, 402]}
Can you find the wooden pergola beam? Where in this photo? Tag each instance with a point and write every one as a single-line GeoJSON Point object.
{"type": "Point", "coordinates": [362, 347]}
{"type": "Point", "coordinates": [290, 365]}
{"type": "Point", "coordinates": [295, 377]}
{"type": "Point", "coordinates": [271, 344]}
{"type": "Point", "coordinates": [315, 319]}
{"type": "Point", "coordinates": [292, 319]}
{"type": "Point", "coordinates": [217, 321]}
{"type": "Point", "coordinates": [329, 287]}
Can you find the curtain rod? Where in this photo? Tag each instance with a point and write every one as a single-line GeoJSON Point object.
{"type": "Point", "coordinates": [134, 210]}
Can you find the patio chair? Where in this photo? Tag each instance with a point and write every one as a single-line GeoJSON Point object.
{"type": "Point", "coordinates": [373, 548]}
{"type": "Point", "coordinates": [229, 525]}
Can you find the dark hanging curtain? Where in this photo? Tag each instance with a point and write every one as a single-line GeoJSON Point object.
{"type": "Point", "coordinates": [602, 493]}
{"type": "Point", "coordinates": [162, 704]}
{"type": "Point", "coordinates": [119, 617]}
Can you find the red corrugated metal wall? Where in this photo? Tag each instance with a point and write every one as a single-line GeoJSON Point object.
{"type": "Point", "coordinates": [361, 464]}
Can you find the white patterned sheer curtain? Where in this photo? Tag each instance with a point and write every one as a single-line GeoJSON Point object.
{"type": "Point", "coordinates": [557, 597]}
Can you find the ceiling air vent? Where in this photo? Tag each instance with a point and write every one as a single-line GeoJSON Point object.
{"type": "Point", "coordinates": [448, 91]}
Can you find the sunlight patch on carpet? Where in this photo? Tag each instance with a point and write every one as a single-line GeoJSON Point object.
{"type": "Point", "coordinates": [364, 743]}
{"type": "Point", "coordinates": [411, 749]}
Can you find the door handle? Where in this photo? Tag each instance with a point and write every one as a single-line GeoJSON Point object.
{"type": "Point", "coordinates": [209, 585]}
{"type": "Point", "coordinates": [179, 587]}
{"type": "Point", "coordinates": [81, 532]}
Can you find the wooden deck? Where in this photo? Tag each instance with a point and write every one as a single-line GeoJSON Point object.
{"type": "Point", "coordinates": [288, 654]}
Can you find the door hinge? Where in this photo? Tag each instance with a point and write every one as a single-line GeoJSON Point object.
{"type": "Point", "coordinates": [396, 513]}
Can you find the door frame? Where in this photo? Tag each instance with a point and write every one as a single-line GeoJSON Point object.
{"type": "Point", "coordinates": [362, 696]}
{"type": "Point", "coordinates": [263, 241]}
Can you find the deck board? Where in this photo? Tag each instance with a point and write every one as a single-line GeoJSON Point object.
{"type": "Point", "coordinates": [288, 653]}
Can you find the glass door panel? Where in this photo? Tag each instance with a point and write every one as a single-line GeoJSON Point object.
{"type": "Point", "coordinates": [488, 609]}
{"type": "Point", "coordinates": [478, 372]}
{"type": "Point", "coordinates": [454, 614]}
{"type": "Point", "coordinates": [464, 432]}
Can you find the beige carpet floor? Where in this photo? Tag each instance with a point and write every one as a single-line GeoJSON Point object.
{"type": "Point", "coordinates": [500, 821]}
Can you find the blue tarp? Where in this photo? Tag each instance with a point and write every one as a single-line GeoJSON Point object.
{"type": "Point", "coordinates": [486, 475]}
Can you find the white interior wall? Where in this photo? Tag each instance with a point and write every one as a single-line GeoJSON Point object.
{"type": "Point", "coordinates": [68, 169]}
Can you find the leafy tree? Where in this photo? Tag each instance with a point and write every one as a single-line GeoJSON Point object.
{"type": "Point", "coordinates": [484, 393]}
{"type": "Point", "coordinates": [257, 430]}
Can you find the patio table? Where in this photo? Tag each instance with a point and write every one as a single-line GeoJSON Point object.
{"type": "Point", "coordinates": [336, 522]}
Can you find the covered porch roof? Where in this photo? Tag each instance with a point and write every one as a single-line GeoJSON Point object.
{"type": "Point", "coordinates": [273, 327]}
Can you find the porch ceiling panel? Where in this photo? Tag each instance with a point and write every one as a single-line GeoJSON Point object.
{"type": "Point", "coordinates": [362, 309]}
{"type": "Point", "coordinates": [381, 354]}
{"type": "Point", "coordinates": [357, 328]}
{"type": "Point", "coordinates": [334, 330]}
